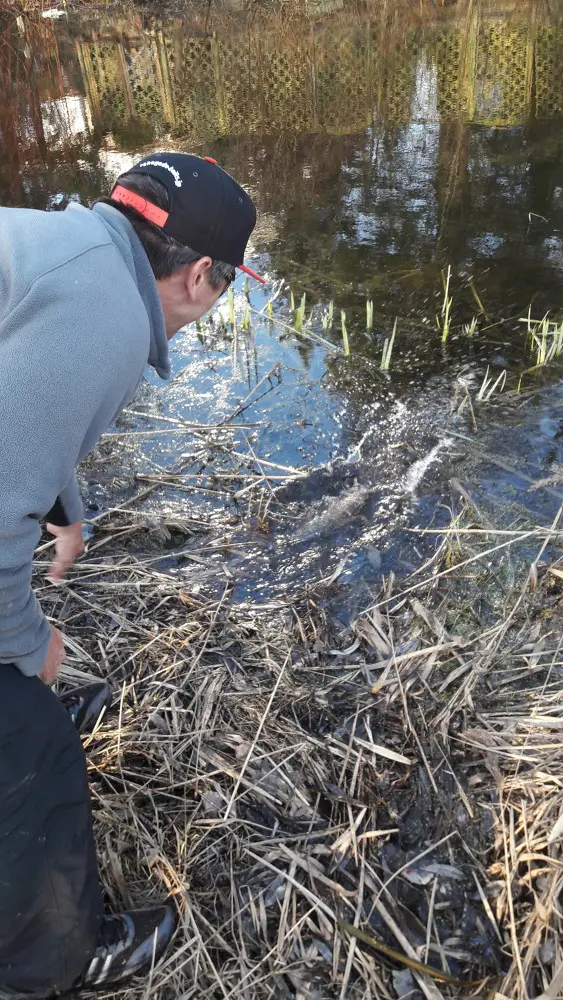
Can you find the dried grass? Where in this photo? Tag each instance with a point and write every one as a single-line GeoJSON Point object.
{"type": "Point", "coordinates": [297, 785]}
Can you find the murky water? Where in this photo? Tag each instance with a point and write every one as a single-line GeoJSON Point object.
{"type": "Point", "coordinates": [386, 148]}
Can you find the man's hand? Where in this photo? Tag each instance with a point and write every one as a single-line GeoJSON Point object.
{"type": "Point", "coordinates": [68, 546]}
{"type": "Point", "coordinates": [55, 657]}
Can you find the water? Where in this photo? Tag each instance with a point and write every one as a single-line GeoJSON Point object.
{"type": "Point", "coordinates": [383, 147]}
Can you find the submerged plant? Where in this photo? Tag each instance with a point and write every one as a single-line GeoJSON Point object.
{"type": "Point", "coordinates": [388, 350]}
{"type": "Point", "coordinates": [369, 315]}
{"type": "Point", "coordinates": [300, 314]}
{"type": "Point", "coordinates": [231, 302]}
{"type": "Point", "coordinates": [328, 317]}
{"type": "Point", "coordinates": [477, 298]}
{"type": "Point", "coordinates": [345, 340]}
{"type": "Point", "coordinates": [446, 306]}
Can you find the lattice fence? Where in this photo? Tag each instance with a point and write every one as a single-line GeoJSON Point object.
{"type": "Point", "coordinates": [489, 70]}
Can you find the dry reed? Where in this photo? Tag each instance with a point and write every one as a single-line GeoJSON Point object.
{"type": "Point", "coordinates": [301, 787]}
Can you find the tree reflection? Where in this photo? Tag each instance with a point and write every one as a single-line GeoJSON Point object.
{"type": "Point", "coordinates": [382, 143]}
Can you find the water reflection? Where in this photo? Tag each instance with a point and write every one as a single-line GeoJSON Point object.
{"type": "Point", "coordinates": [379, 148]}
{"type": "Point", "coordinates": [383, 144]}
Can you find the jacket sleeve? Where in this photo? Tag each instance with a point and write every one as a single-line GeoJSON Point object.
{"type": "Point", "coordinates": [67, 508]}
{"type": "Point", "coordinates": [24, 632]}
{"type": "Point", "coordinates": [67, 363]}
{"type": "Point", "coordinates": [33, 464]}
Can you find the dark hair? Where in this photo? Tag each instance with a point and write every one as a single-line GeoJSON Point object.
{"type": "Point", "coordinates": [165, 254]}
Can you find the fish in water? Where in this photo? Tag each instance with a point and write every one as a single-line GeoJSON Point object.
{"type": "Point", "coordinates": [338, 511]}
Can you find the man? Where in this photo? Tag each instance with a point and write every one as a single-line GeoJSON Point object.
{"type": "Point", "coordinates": [87, 297]}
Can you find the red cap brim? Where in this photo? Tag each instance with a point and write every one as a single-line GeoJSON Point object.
{"type": "Point", "coordinates": [248, 270]}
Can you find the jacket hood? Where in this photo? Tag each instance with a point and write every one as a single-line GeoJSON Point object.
{"type": "Point", "coordinates": [131, 249]}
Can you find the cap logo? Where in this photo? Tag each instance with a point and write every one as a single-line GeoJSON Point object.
{"type": "Point", "coordinates": [165, 166]}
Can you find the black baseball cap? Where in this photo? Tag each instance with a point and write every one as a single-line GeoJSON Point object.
{"type": "Point", "coordinates": [209, 211]}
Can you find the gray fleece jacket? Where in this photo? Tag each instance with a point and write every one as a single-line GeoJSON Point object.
{"type": "Point", "coordinates": [80, 316]}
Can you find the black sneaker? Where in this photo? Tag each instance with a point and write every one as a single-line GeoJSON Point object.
{"type": "Point", "coordinates": [129, 944]}
{"type": "Point", "coordinates": [85, 705]}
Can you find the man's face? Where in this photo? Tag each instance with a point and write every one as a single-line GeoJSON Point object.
{"type": "Point", "coordinates": [188, 295]}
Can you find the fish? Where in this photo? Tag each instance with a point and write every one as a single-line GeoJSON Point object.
{"type": "Point", "coordinates": [337, 511]}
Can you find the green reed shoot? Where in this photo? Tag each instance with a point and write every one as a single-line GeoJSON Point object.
{"type": "Point", "coordinates": [546, 338]}
{"type": "Point", "coordinates": [446, 306]}
{"type": "Point", "coordinates": [548, 341]}
{"type": "Point", "coordinates": [471, 328]}
{"type": "Point", "coordinates": [328, 317]}
{"type": "Point", "coordinates": [345, 340]}
{"type": "Point", "coordinates": [488, 386]}
{"type": "Point", "coordinates": [234, 350]}
{"type": "Point", "coordinates": [369, 315]}
{"type": "Point", "coordinates": [477, 298]}
{"type": "Point", "coordinates": [292, 302]}
{"type": "Point", "coordinates": [557, 343]}
{"type": "Point", "coordinates": [231, 302]}
{"type": "Point", "coordinates": [270, 309]}
{"type": "Point", "coordinates": [246, 319]}
{"type": "Point", "coordinates": [300, 314]}
{"type": "Point", "coordinates": [388, 350]}
{"type": "Point", "coordinates": [540, 341]}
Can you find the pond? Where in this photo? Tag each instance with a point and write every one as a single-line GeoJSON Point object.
{"type": "Point", "coordinates": [406, 162]}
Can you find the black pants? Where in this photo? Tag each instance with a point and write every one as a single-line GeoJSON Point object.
{"type": "Point", "coordinates": [50, 899]}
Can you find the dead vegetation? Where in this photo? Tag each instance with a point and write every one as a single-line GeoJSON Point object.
{"type": "Point", "coordinates": [356, 812]}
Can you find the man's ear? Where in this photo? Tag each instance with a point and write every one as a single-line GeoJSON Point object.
{"type": "Point", "coordinates": [195, 275]}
